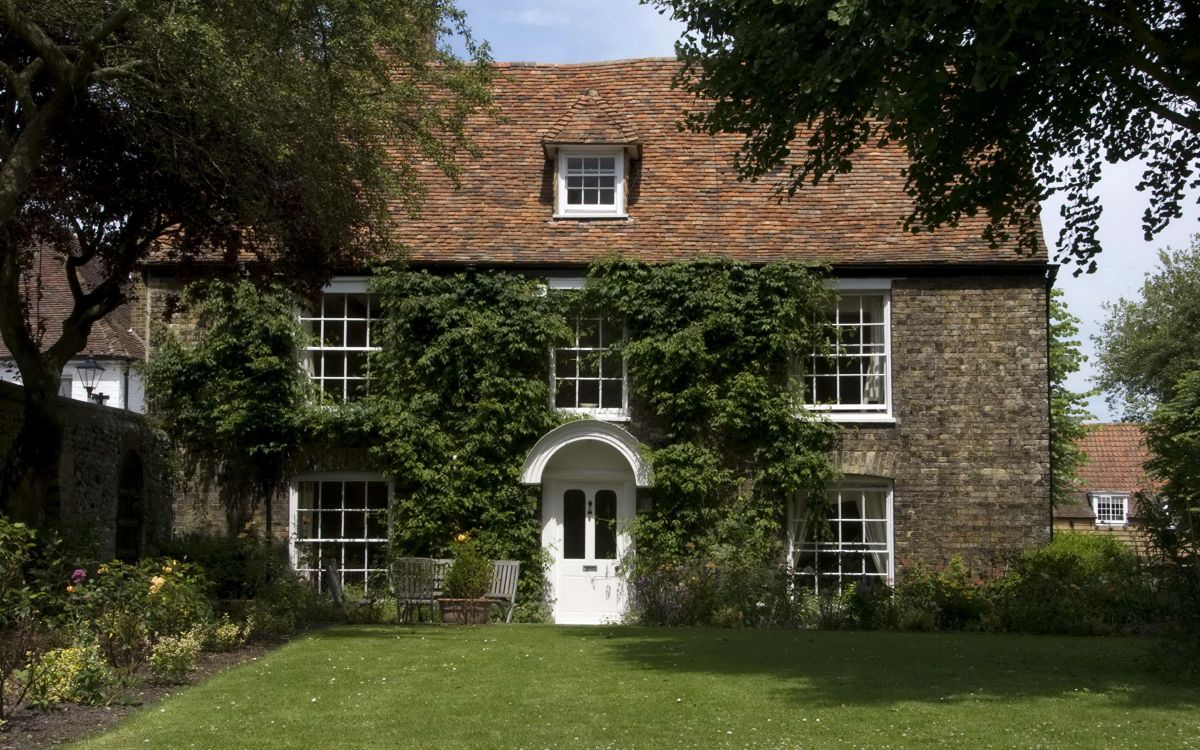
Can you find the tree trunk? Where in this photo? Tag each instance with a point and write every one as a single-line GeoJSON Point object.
{"type": "Point", "coordinates": [29, 487]}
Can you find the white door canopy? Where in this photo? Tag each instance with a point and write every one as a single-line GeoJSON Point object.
{"type": "Point", "coordinates": [585, 430]}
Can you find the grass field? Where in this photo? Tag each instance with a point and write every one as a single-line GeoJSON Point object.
{"type": "Point", "coordinates": [622, 687]}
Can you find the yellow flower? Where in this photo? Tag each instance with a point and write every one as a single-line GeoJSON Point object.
{"type": "Point", "coordinates": [156, 584]}
{"type": "Point", "coordinates": [166, 568]}
{"type": "Point", "coordinates": [70, 589]}
{"type": "Point", "coordinates": [461, 537]}
{"type": "Point", "coordinates": [102, 569]}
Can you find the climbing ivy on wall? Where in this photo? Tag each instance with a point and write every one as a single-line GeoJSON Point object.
{"type": "Point", "coordinates": [459, 394]}
{"type": "Point", "coordinates": [712, 348]}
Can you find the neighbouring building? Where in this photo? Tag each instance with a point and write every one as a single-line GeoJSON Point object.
{"type": "Point", "coordinates": [943, 398]}
{"type": "Point", "coordinates": [105, 371]}
{"type": "Point", "coordinates": [1106, 497]}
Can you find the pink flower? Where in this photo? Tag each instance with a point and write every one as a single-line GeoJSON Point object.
{"type": "Point", "coordinates": [78, 576]}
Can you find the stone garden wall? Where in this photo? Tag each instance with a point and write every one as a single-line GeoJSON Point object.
{"type": "Point", "coordinates": [106, 452]}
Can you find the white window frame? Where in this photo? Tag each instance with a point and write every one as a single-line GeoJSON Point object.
{"type": "Point", "coordinates": [574, 283]}
{"type": "Point", "coordinates": [857, 413]}
{"type": "Point", "coordinates": [614, 210]}
{"type": "Point", "coordinates": [316, 347]}
{"type": "Point", "coordinates": [1100, 499]}
{"type": "Point", "coordinates": [294, 524]}
{"type": "Point", "coordinates": [796, 532]}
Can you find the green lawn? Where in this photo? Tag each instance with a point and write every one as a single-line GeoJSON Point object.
{"type": "Point", "coordinates": [525, 686]}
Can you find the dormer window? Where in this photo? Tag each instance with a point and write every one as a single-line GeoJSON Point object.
{"type": "Point", "coordinates": [591, 182]}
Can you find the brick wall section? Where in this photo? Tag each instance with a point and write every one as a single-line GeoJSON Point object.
{"type": "Point", "coordinates": [969, 453]}
{"type": "Point", "coordinates": [97, 440]}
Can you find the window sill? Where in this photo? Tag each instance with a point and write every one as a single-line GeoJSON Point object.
{"type": "Point", "coordinates": [601, 415]}
{"type": "Point", "coordinates": [591, 217]}
{"type": "Point", "coordinates": [851, 417]}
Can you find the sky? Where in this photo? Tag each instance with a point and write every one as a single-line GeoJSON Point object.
{"type": "Point", "coordinates": [562, 31]}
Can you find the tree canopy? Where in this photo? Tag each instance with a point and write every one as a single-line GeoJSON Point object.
{"type": "Point", "coordinates": [1148, 344]}
{"type": "Point", "coordinates": [985, 97]}
{"type": "Point", "coordinates": [279, 134]}
{"type": "Point", "coordinates": [1068, 409]}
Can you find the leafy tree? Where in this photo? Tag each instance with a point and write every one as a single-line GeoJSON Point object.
{"type": "Point", "coordinates": [1147, 345]}
{"type": "Point", "coordinates": [1149, 357]}
{"type": "Point", "coordinates": [983, 96]}
{"type": "Point", "coordinates": [1173, 436]}
{"type": "Point", "coordinates": [1068, 409]}
{"type": "Point", "coordinates": [282, 134]}
{"type": "Point", "coordinates": [232, 394]}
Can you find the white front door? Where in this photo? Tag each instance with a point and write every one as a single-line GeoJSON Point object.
{"type": "Point", "coordinates": [584, 530]}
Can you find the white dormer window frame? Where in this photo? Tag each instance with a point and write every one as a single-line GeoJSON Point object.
{"type": "Point", "coordinates": [1111, 508]}
{"type": "Point", "coordinates": [579, 177]}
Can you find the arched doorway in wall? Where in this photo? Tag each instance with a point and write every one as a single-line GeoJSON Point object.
{"type": "Point", "coordinates": [129, 522]}
{"type": "Point", "coordinates": [589, 471]}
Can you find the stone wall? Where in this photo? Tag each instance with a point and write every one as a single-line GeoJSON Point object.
{"type": "Point", "coordinates": [969, 451]}
{"type": "Point", "coordinates": [99, 442]}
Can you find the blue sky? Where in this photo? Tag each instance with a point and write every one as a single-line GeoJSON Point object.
{"type": "Point", "coordinates": [586, 30]}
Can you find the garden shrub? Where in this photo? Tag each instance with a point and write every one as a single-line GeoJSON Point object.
{"type": "Point", "coordinates": [949, 599]}
{"type": "Point", "coordinates": [238, 565]}
{"type": "Point", "coordinates": [223, 636]}
{"type": "Point", "coordinates": [75, 674]}
{"type": "Point", "coordinates": [1079, 584]}
{"type": "Point", "coordinates": [470, 575]}
{"type": "Point", "coordinates": [173, 657]}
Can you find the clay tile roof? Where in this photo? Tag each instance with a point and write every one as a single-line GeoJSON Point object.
{"type": "Point", "coordinates": [684, 197]}
{"type": "Point", "coordinates": [111, 336]}
{"type": "Point", "coordinates": [1116, 453]}
{"type": "Point", "coordinates": [590, 120]}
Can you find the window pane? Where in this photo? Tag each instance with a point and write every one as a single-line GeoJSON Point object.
{"type": "Point", "coordinates": [589, 364]}
{"type": "Point", "coordinates": [356, 333]}
{"type": "Point", "coordinates": [356, 364]}
{"type": "Point", "coordinates": [335, 305]}
{"type": "Point", "coordinates": [574, 521]}
{"type": "Point", "coordinates": [356, 306]}
{"type": "Point", "coordinates": [606, 525]}
{"type": "Point", "coordinates": [564, 396]}
{"type": "Point", "coordinates": [333, 333]}
{"type": "Point", "coordinates": [612, 395]}
{"type": "Point", "coordinates": [589, 394]}
{"type": "Point", "coordinates": [335, 365]}
{"type": "Point", "coordinates": [354, 525]}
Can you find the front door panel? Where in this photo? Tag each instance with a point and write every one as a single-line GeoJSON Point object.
{"type": "Point", "coordinates": [585, 535]}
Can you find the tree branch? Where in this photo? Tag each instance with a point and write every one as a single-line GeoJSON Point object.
{"type": "Point", "coordinates": [1150, 102]}
{"type": "Point", "coordinates": [42, 45]}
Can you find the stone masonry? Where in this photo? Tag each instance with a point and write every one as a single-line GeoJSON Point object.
{"type": "Point", "coordinates": [969, 452]}
{"type": "Point", "coordinates": [99, 441]}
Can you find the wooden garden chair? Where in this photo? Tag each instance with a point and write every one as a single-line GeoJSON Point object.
{"type": "Point", "coordinates": [413, 584]}
{"type": "Point", "coordinates": [503, 591]}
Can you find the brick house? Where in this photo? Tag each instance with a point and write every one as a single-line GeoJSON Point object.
{"type": "Point", "coordinates": [945, 448]}
{"type": "Point", "coordinates": [1104, 502]}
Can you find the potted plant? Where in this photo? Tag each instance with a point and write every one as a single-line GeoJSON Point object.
{"type": "Point", "coordinates": [467, 583]}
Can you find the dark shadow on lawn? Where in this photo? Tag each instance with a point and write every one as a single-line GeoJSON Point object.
{"type": "Point", "coordinates": [868, 668]}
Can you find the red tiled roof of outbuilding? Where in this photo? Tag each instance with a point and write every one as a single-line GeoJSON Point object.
{"type": "Point", "coordinates": [684, 200]}
{"type": "Point", "coordinates": [1116, 454]}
